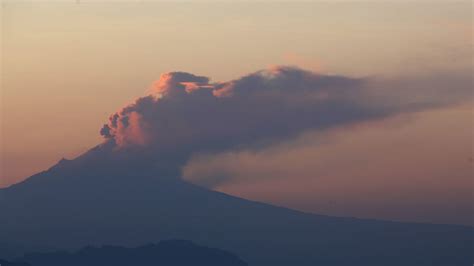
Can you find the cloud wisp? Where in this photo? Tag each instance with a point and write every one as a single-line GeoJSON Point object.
{"type": "Point", "coordinates": [186, 114]}
{"type": "Point", "coordinates": [390, 169]}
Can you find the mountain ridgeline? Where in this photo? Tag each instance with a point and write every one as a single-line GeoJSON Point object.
{"type": "Point", "coordinates": [166, 253]}
{"type": "Point", "coordinates": [99, 200]}
{"type": "Point", "coordinates": [9, 263]}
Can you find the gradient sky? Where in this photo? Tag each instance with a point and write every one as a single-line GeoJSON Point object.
{"type": "Point", "coordinates": [66, 67]}
{"type": "Point", "coordinates": [388, 169]}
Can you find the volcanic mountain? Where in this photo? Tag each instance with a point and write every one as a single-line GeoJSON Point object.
{"type": "Point", "coordinates": [99, 199]}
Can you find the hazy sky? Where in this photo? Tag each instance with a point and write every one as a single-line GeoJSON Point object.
{"type": "Point", "coordinates": [389, 169]}
{"type": "Point", "coordinates": [66, 67]}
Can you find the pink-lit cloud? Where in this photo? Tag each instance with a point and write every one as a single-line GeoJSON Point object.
{"type": "Point", "coordinates": [186, 113]}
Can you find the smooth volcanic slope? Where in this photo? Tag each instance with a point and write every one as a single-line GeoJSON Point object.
{"type": "Point", "coordinates": [97, 200]}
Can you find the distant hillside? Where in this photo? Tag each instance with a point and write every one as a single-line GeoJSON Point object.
{"type": "Point", "coordinates": [166, 253]}
{"type": "Point", "coordinates": [9, 263]}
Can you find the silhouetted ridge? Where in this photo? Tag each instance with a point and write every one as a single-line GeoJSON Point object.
{"type": "Point", "coordinates": [9, 263]}
{"type": "Point", "coordinates": [166, 253]}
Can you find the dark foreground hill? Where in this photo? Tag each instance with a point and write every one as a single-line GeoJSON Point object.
{"type": "Point", "coordinates": [9, 263]}
{"type": "Point", "coordinates": [165, 253]}
{"type": "Point", "coordinates": [97, 201]}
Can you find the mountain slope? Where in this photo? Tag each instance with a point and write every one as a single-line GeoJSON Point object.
{"type": "Point", "coordinates": [95, 200]}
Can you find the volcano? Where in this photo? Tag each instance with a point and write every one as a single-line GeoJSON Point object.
{"type": "Point", "coordinates": [98, 199]}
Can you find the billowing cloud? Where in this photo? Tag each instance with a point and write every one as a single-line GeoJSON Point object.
{"type": "Point", "coordinates": [185, 114]}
